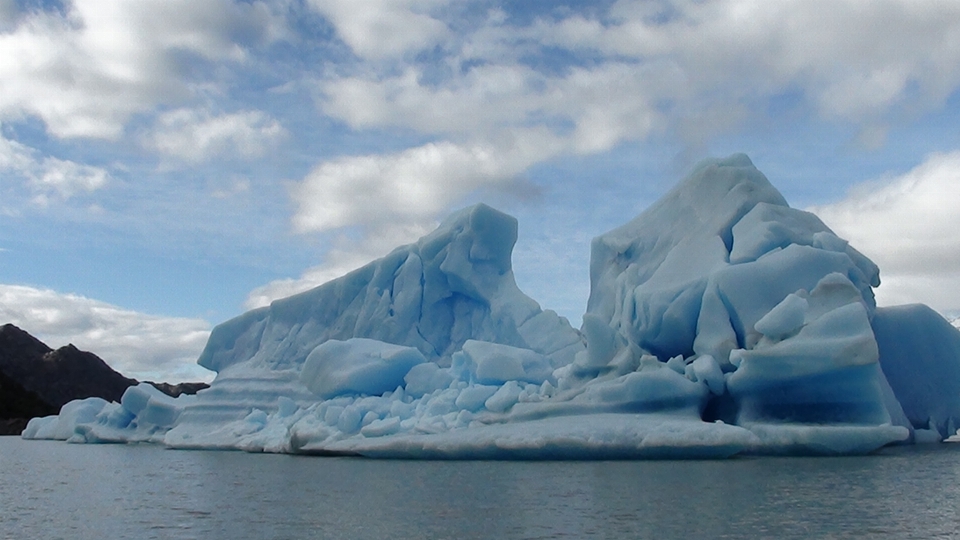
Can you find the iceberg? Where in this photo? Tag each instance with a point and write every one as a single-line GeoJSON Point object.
{"type": "Point", "coordinates": [720, 322]}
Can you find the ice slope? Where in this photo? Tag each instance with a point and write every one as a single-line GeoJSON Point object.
{"type": "Point", "coordinates": [720, 321]}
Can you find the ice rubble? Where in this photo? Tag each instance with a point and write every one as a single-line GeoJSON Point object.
{"type": "Point", "coordinates": [720, 321]}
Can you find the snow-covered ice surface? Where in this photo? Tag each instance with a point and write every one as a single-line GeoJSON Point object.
{"type": "Point", "coordinates": [720, 321]}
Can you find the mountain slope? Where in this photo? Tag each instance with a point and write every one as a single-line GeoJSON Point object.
{"type": "Point", "coordinates": [36, 380]}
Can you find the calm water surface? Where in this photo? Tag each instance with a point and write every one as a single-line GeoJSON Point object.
{"type": "Point", "coordinates": [56, 490]}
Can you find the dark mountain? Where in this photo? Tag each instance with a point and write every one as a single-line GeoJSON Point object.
{"type": "Point", "coordinates": [18, 405]}
{"type": "Point", "coordinates": [14, 341]}
{"type": "Point", "coordinates": [36, 380]}
{"type": "Point", "coordinates": [57, 376]}
{"type": "Point", "coordinates": [175, 390]}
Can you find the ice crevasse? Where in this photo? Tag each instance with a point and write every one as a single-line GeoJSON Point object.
{"type": "Point", "coordinates": [720, 321]}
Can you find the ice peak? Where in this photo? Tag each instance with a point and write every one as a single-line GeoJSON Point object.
{"type": "Point", "coordinates": [697, 215]}
{"type": "Point", "coordinates": [454, 284]}
{"type": "Point", "coordinates": [738, 159]}
{"type": "Point", "coordinates": [475, 240]}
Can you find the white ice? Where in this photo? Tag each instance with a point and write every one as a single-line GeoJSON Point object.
{"type": "Point", "coordinates": [720, 321]}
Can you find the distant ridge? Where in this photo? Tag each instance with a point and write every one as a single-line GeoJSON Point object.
{"type": "Point", "coordinates": [36, 380]}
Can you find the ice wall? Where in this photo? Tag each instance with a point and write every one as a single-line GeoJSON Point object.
{"type": "Point", "coordinates": [720, 321]}
{"type": "Point", "coordinates": [916, 346]}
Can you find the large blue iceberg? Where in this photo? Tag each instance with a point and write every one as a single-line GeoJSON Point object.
{"type": "Point", "coordinates": [720, 321]}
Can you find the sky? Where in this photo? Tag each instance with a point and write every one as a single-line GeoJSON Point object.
{"type": "Point", "coordinates": [166, 165]}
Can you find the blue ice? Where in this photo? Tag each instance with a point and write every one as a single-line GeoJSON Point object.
{"type": "Point", "coordinates": [720, 321]}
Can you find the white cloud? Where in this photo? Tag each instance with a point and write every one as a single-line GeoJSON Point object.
{"type": "Point", "coordinates": [86, 71]}
{"type": "Point", "coordinates": [644, 71]}
{"type": "Point", "coordinates": [408, 188]}
{"type": "Point", "coordinates": [378, 29]}
{"type": "Point", "coordinates": [141, 346]}
{"type": "Point", "coordinates": [15, 156]}
{"type": "Point", "coordinates": [685, 68]}
{"type": "Point", "coordinates": [235, 187]}
{"type": "Point", "coordinates": [69, 177]}
{"type": "Point", "coordinates": [196, 135]}
{"type": "Point", "coordinates": [909, 226]}
{"type": "Point", "coordinates": [852, 59]}
{"type": "Point", "coordinates": [593, 108]}
{"type": "Point", "coordinates": [49, 176]}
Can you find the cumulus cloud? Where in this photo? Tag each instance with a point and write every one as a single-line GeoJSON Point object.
{"type": "Point", "coordinates": [591, 108]}
{"type": "Point", "coordinates": [69, 177]}
{"type": "Point", "coordinates": [86, 69]}
{"type": "Point", "coordinates": [49, 177]}
{"type": "Point", "coordinates": [384, 28]}
{"type": "Point", "coordinates": [15, 156]}
{"type": "Point", "coordinates": [642, 67]}
{"type": "Point", "coordinates": [850, 58]}
{"type": "Point", "coordinates": [687, 69]}
{"type": "Point", "coordinates": [909, 226]}
{"type": "Point", "coordinates": [196, 135]}
{"type": "Point", "coordinates": [141, 346]}
{"type": "Point", "coordinates": [408, 188]}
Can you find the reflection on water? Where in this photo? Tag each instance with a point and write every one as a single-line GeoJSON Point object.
{"type": "Point", "coordinates": [55, 490]}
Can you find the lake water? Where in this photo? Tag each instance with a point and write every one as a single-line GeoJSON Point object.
{"type": "Point", "coordinates": [54, 490]}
